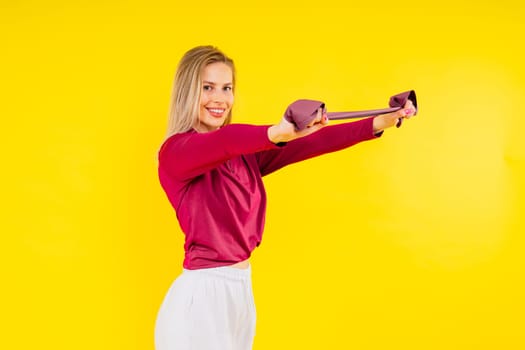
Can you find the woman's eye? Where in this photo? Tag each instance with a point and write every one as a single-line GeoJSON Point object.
{"type": "Point", "coordinates": [207, 87]}
{"type": "Point", "coordinates": [227, 88]}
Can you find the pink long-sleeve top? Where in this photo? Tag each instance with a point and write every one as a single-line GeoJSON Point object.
{"type": "Point", "coordinates": [214, 182]}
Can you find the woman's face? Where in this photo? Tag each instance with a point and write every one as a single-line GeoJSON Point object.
{"type": "Point", "coordinates": [216, 96]}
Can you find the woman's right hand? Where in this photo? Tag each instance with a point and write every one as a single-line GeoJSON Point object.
{"type": "Point", "coordinates": [285, 131]}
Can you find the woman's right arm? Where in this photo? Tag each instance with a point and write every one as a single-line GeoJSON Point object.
{"type": "Point", "coordinates": [185, 156]}
{"type": "Point", "coordinates": [328, 140]}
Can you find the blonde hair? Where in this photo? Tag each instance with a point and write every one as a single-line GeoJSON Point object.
{"type": "Point", "coordinates": [187, 86]}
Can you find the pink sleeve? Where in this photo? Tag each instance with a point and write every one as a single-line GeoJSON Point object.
{"type": "Point", "coordinates": [190, 154]}
{"type": "Point", "coordinates": [329, 139]}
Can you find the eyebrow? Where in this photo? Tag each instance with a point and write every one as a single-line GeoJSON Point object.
{"type": "Point", "coordinates": [212, 83]}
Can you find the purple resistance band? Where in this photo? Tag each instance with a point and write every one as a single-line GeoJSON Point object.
{"type": "Point", "coordinates": [302, 112]}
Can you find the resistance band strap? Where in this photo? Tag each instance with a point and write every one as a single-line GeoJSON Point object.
{"type": "Point", "coordinates": [302, 112]}
{"type": "Point", "coordinates": [360, 114]}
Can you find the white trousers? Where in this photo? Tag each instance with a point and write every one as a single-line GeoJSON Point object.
{"type": "Point", "coordinates": [207, 309]}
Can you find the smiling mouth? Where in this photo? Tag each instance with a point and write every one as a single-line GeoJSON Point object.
{"type": "Point", "coordinates": [216, 112]}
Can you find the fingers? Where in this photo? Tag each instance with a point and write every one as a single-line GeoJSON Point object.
{"type": "Point", "coordinates": [409, 110]}
{"type": "Point", "coordinates": [406, 112]}
{"type": "Point", "coordinates": [409, 104]}
{"type": "Point", "coordinates": [310, 129]}
{"type": "Point", "coordinates": [318, 118]}
{"type": "Point", "coordinates": [324, 119]}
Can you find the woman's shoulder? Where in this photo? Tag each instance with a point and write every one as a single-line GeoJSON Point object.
{"type": "Point", "coordinates": [176, 138]}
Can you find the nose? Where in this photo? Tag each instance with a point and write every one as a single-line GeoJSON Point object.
{"type": "Point", "coordinates": [218, 96]}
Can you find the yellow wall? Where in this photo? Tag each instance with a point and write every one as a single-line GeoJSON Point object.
{"type": "Point", "coordinates": [413, 241]}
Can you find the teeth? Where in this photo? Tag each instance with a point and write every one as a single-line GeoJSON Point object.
{"type": "Point", "coordinates": [213, 110]}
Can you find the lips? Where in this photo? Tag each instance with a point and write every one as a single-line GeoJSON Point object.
{"type": "Point", "coordinates": [216, 112]}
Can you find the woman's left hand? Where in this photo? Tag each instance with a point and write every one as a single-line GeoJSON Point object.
{"type": "Point", "coordinates": [388, 120]}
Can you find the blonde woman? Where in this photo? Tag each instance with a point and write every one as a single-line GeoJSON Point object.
{"type": "Point", "coordinates": [211, 171]}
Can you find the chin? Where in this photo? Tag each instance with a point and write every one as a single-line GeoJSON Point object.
{"type": "Point", "coordinates": [217, 123]}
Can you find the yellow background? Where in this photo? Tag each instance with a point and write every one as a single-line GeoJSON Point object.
{"type": "Point", "coordinates": [413, 241]}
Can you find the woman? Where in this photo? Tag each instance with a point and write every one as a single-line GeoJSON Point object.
{"type": "Point", "coordinates": [212, 171]}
